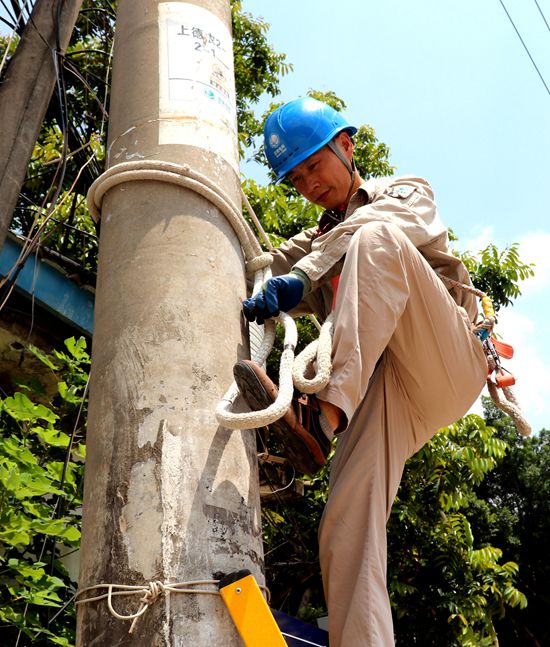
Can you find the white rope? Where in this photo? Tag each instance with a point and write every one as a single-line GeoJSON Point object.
{"type": "Point", "coordinates": [257, 261]}
{"type": "Point", "coordinates": [256, 222]}
{"type": "Point", "coordinates": [184, 176]}
{"type": "Point", "coordinates": [149, 594]}
{"type": "Point", "coordinates": [508, 403]}
{"type": "Point", "coordinates": [276, 410]}
{"type": "Point", "coordinates": [316, 360]}
{"type": "Point", "coordinates": [504, 398]}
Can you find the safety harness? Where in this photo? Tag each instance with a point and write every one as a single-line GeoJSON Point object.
{"type": "Point", "coordinates": [499, 380]}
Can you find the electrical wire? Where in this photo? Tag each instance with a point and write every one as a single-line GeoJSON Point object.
{"type": "Point", "coordinates": [525, 46]}
{"type": "Point", "coordinates": [106, 86]}
{"type": "Point", "coordinates": [33, 240]}
{"type": "Point", "coordinates": [7, 283]}
{"type": "Point", "coordinates": [59, 176]}
{"type": "Point", "coordinates": [36, 230]}
{"type": "Point", "coordinates": [25, 10]}
{"type": "Point", "coordinates": [12, 34]}
{"type": "Point", "coordinates": [8, 10]}
{"type": "Point", "coordinates": [71, 67]}
{"type": "Point", "coordinates": [52, 196]}
{"type": "Point", "coordinates": [543, 17]}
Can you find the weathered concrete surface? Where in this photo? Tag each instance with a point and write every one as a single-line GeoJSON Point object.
{"type": "Point", "coordinates": [169, 495]}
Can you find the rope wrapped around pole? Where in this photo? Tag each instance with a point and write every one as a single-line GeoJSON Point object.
{"type": "Point", "coordinates": [316, 357]}
{"type": "Point", "coordinates": [257, 261]}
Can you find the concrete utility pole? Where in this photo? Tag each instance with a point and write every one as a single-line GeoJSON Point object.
{"type": "Point", "coordinates": [26, 92]}
{"type": "Point", "coordinates": [169, 495]}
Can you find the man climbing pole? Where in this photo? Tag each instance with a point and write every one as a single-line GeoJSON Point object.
{"type": "Point", "coordinates": [405, 359]}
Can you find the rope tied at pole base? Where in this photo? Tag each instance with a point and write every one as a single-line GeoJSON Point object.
{"type": "Point", "coordinates": [149, 595]}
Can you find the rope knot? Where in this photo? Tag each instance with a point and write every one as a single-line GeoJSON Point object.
{"type": "Point", "coordinates": [150, 596]}
{"type": "Point", "coordinates": [154, 591]}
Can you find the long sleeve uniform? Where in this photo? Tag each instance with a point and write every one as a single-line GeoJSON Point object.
{"type": "Point", "coordinates": [405, 363]}
{"type": "Point", "coordinates": [408, 203]}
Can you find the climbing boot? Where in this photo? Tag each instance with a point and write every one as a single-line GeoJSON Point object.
{"type": "Point", "coordinates": [299, 431]}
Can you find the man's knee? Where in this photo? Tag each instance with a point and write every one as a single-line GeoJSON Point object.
{"type": "Point", "coordinates": [381, 234]}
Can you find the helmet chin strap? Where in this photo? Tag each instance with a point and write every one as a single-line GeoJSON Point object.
{"type": "Point", "coordinates": [349, 165]}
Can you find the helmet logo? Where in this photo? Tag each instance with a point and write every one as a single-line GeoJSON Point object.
{"type": "Point", "coordinates": [275, 143]}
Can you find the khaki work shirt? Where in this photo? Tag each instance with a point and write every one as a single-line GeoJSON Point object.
{"type": "Point", "coordinates": [407, 202]}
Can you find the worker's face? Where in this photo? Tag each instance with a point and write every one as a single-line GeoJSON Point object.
{"type": "Point", "coordinates": [323, 178]}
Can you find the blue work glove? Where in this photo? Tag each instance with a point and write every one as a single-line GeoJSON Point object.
{"type": "Point", "coordinates": [278, 293]}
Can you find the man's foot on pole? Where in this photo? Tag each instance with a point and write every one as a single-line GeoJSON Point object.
{"type": "Point", "coordinates": [299, 431]}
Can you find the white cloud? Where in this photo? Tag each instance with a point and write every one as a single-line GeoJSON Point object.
{"type": "Point", "coordinates": [535, 248]}
{"type": "Point", "coordinates": [481, 237]}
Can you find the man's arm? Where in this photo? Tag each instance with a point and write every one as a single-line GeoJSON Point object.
{"type": "Point", "coordinates": [407, 202]}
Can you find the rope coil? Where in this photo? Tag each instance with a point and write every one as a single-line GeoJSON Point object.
{"type": "Point", "coordinates": [317, 354]}
{"type": "Point", "coordinates": [257, 261]}
{"type": "Point", "coordinates": [184, 176]}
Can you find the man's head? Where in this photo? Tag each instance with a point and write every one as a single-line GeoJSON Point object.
{"type": "Point", "coordinates": [309, 143]}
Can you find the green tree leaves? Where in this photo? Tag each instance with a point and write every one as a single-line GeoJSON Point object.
{"type": "Point", "coordinates": [21, 408]}
{"type": "Point", "coordinates": [448, 574]}
{"type": "Point", "coordinates": [498, 272]}
{"type": "Point", "coordinates": [445, 589]}
{"type": "Point", "coordinates": [512, 512]}
{"type": "Point", "coordinates": [41, 469]}
{"type": "Point", "coordinates": [258, 68]}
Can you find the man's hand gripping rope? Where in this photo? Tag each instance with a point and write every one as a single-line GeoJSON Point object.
{"type": "Point", "coordinates": [277, 293]}
{"type": "Point", "coordinates": [271, 297]}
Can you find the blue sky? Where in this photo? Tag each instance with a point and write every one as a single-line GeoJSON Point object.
{"type": "Point", "coordinates": [451, 90]}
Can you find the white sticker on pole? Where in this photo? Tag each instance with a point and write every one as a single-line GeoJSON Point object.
{"type": "Point", "coordinates": [197, 83]}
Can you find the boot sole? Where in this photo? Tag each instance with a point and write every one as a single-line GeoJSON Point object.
{"type": "Point", "coordinates": [301, 451]}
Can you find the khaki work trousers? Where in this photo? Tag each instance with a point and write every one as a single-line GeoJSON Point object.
{"type": "Point", "coordinates": [405, 363]}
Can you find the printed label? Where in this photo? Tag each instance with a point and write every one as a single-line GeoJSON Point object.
{"type": "Point", "coordinates": [197, 84]}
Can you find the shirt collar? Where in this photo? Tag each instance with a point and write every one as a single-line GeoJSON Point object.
{"type": "Point", "coordinates": [359, 199]}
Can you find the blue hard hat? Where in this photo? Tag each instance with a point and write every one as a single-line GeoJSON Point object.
{"type": "Point", "coordinates": [298, 129]}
